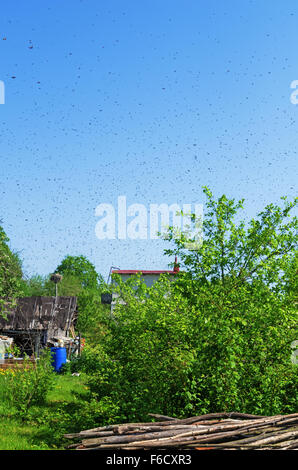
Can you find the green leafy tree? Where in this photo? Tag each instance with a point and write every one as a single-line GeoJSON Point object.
{"type": "Point", "coordinates": [80, 268]}
{"type": "Point", "coordinates": [11, 284]}
{"type": "Point", "coordinates": [144, 359]}
{"type": "Point", "coordinates": [78, 275]}
{"type": "Point", "coordinates": [241, 281]}
{"type": "Point", "coordinates": [37, 286]}
{"type": "Point", "coordinates": [42, 286]}
{"type": "Point", "coordinates": [218, 337]}
{"type": "Point", "coordinates": [93, 315]}
{"type": "Point", "coordinates": [233, 254]}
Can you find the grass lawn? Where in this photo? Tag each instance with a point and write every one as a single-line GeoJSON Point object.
{"type": "Point", "coordinates": [17, 434]}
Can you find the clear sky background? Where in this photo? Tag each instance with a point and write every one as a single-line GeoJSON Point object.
{"type": "Point", "coordinates": [147, 99]}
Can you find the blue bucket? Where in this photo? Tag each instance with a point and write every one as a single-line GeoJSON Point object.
{"type": "Point", "coordinates": [58, 358]}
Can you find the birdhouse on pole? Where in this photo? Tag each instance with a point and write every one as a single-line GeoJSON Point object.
{"type": "Point", "coordinates": [56, 278]}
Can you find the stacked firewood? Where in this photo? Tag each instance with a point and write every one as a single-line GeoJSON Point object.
{"type": "Point", "coordinates": [17, 363]}
{"type": "Point", "coordinates": [213, 431]}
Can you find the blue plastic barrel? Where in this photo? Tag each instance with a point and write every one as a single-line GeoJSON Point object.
{"type": "Point", "coordinates": [58, 358]}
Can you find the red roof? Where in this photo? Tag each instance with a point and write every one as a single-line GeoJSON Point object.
{"type": "Point", "coordinates": [136, 271]}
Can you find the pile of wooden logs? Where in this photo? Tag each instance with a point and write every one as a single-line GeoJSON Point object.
{"type": "Point", "coordinates": [16, 363]}
{"type": "Point", "coordinates": [233, 431]}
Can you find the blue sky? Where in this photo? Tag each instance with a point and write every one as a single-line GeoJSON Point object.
{"type": "Point", "coordinates": [147, 99]}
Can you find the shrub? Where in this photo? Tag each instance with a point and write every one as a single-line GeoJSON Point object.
{"type": "Point", "coordinates": [166, 354]}
{"type": "Point", "coordinates": [29, 385]}
{"type": "Point", "coordinates": [219, 337]}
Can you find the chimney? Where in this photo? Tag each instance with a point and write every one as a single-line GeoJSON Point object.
{"type": "Point", "coordinates": [176, 266]}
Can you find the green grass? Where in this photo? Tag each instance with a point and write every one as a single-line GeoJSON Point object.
{"type": "Point", "coordinates": [65, 387]}
{"type": "Point", "coordinates": [19, 434]}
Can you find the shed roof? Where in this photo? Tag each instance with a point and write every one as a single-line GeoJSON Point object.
{"type": "Point", "coordinates": [41, 313]}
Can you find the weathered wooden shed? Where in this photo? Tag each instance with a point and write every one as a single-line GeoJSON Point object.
{"type": "Point", "coordinates": [36, 322]}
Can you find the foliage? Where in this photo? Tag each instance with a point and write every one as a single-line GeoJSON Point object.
{"type": "Point", "coordinates": [235, 254]}
{"type": "Point", "coordinates": [93, 315]}
{"type": "Point", "coordinates": [68, 407]}
{"type": "Point", "coordinates": [37, 286]}
{"type": "Point", "coordinates": [243, 281]}
{"type": "Point", "coordinates": [28, 386]}
{"type": "Point", "coordinates": [42, 286]}
{"type": "Point", "coordinates": [10, 273]}
{"type": "Point", "coordinates": [164, 356]}
{"type": "Point", "coordinates": [144, 365]}
{"type": "Point", "coordinates": [70, 285]}
{"type": "Point", "coordinates": [219, 337]}
{"type": "Point", "coordinates": [81, 268]}
{"type": "Point", "coordinates": [82, 412]}
{"type": "Point", "coordinates": [216, 337]}
{"type": "Point", "coordinates": [79, 278]}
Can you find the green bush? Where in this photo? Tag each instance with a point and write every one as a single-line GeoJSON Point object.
{"type": "Point", "coordinates": [166, 355]}
{"type": "Point", "coordinates": [215, 338]}
{"type": "Point", "coordinates": [28, 386]}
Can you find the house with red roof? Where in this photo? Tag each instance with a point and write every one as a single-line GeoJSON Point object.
{"type": "Point", "coordinates": [148, 276]}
